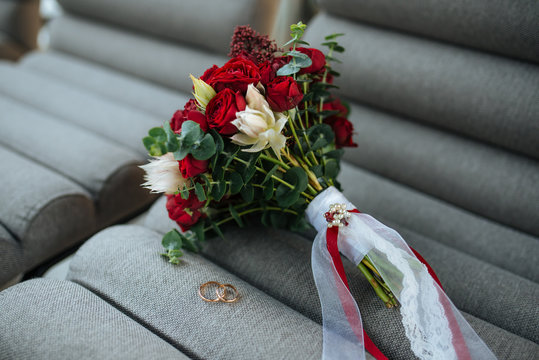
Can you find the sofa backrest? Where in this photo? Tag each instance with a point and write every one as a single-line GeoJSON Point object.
{"type": "Point", "coordinates": [161, 40]}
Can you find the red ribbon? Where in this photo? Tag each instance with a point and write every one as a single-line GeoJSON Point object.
{"type": "Point", "coordinates": [459, 343]}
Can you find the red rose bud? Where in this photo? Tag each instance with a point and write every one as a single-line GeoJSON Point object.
{"type": "Point", "coordinates": [336, 105]}
{"type": "Point", "coordinates": [184, 211]}
{"type": "Point", "coordinates": [343, 130]}
{"type": "Point", "coordinates": [283, 93]}
{"type": "Point", "coordinates": [317, 57]}
{"type": "Point", "coordinates": [191, 167]}
{"type": "Point", "coordinates": [189, 112]}
{"type": "Point", "coordinates": [268, 70]}
{"type": "Point", "coordinates": [236, 74]}
{"type": "Point", "coordinates": [222, 109]}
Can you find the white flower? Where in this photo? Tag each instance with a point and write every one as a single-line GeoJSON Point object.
{"type": "Point", "coordinates": [163, 175]}
{"type": "Point", "coordinates": [258, 125]}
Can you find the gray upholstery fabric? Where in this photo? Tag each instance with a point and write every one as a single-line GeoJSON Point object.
{"type": "Point", "coordinates": [262, 261]}
{"type": "Point", "coordinates": [484, 239]}
{"type": "Point", "coordinates": [148, 58]}
{"type": "Point", "coordinates": [51, 319]}
{"type": "Point", "coordinates": [62, 146]}
{"type": "Point", "coordinates": [507, 27]}
{"type": "Point", "coordinates": [46, 212]}
{"type": "Point", "coordinates": [206, 24]}
{"type": "Point", "coordinates": [484, 96]}
{"type": "Point", "coordinates": [11, 258]}
{"type": "Point", "coordinates": [118, 87]}
{"type": "Point", "coordinates": [117, 122]}
{"type": "Point", "coordinates": [485, 180]}
{"type": "Point", "coordinates": [109, 172]}
{"type": "Point", "coordinates": [164, 298]}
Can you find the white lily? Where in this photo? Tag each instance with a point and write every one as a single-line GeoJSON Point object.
{"type": "Point", "coordinates": [203, 92]}
{"type": "Point", "coordinates": [258, 125]}
{"type": "Point", "coordinates": [163, 175]}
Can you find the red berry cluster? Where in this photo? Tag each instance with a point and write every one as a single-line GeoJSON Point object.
{"type": "Point", "coordinates": [248, 43]}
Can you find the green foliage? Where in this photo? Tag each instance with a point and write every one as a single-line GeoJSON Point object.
{"type": "Point", "coordinates": [287, 195]}
{"type": "Point", "coordinates": [192, 140]}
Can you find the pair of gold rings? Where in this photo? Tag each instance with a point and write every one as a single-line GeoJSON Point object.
{"type": "Point", "coordinates": [225, 292]}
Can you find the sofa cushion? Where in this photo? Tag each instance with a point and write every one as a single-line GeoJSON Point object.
{"type": "Point", "coordinates": [130, 91]}
{"type": "Point", "coordinates": [79, 325]}
{"type": "Point", "coordinates": [89, 111]}
{"type": "Point", "coordinates": [487, 97]}
{"type": "Point", "coordinates": [506, 27]}
{"type": "Point", "coordinates": [44, 211]}
{"type": "Point", "coordinates": [11, 258]}
{"type": "Point", "coordinates": [164, 298]}
{"type": "Point", "coordinates": [206, 24]}
{"type": "Point", "coordinates": [485, 180]}
{"type": "Point", "coordinates": [108, 171]}
{"type": "Point", "coordinates": [146, 57]}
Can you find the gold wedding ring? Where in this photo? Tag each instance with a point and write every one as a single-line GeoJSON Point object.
{"type": "Point", "coordinates": [222, 295]}
{"type": "Point", "coordinates": [202, 291]}
{"type": "Point", "coordinates": [222, 291]}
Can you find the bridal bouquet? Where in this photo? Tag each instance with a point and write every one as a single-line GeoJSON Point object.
{"type": "Point", "coordinates": [263, 138]}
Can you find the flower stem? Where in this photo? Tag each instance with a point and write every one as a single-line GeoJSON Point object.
{"type": "Point", "coordinates": [375, 285]}
{"type": "Point", "coordinates": [249, 211]}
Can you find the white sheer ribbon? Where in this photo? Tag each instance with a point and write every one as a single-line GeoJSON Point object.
{"type": "Point", "coordinates": [434, 326]}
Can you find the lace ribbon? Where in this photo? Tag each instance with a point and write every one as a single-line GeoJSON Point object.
{"type": "Point", "coordinates": [433, 325]}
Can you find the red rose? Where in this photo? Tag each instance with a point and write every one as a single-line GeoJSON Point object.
{"type": "Point", "coordinates": [268, 69]}
{"type": "Point", "coordinates": [283, 93]}
{"type": "Point", "coordinates": [208, 73]}
{"type": "Point", "coordinates": [317, 57]}
{"type": "Point", "coordinates": [191, 167]}
{"type": "Point", "coordinates": [184, 211]}
{"type": "Point", "coordinates": [222, 109]}
{"type": "Point", "coordinates": [343, 130]}
{"type": "Point", "coordinates": [236, 74]}
{"type": "Point", "coordinates": [189, 112]}
{"type": "Point", "coordinates": [336, 105]}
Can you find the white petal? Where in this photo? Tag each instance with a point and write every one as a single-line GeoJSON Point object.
{"type": "Point", "coordinates": [242, 139]}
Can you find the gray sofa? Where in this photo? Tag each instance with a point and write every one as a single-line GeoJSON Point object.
{"type": "Point", "coordinates": [445, 102]}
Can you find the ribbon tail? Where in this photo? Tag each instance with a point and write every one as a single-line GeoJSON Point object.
{"type": "Point", "coordinates": [341, 319]}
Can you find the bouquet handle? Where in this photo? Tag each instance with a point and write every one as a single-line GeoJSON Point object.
{"type": "Point", "coordinates": [433, 325]}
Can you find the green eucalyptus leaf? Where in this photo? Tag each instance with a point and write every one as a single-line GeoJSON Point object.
{"type": "Point", "coordinates": [156, 150]}
{"type": "Point", "coordinates": [235, 215]}
{"type": "Point", "coordinates": [204, 149]}
{"type": "Point", "coordinates": [269, 189]}
{"type": "Point", "coordinates": [158, 134]}
{"type": "Point", "coordinates": [148, 142]}
{"type": "Point", "coordinates": [199, 191]}
{"type": "Point", "coordinates": [190, 133]}
{"type": "Point", "coordinates": [317, 170]}
{"type": "Point", "coordinates": [247, 193]}
{"type": "Point", "coordinates": [184, 192]}
{"type": "Point", "coordinates": [331, 169]}
{"type": "Point", "coordinates": [236, 183]}
{"type": "Point", "coordinates": [270, 174]}
{"type": "Point", "coordinates": [190, 244]}
{"type": "Point", "coordinates": [172, 240]}
{"type": "Point", "coordinates": [278, 219]}
{"type": "Point", "coordinates": [218, 190]}
{"type": "Point", "coordinates": [333, 36]}
{"type": "Point", "coordinates": [217, 230]}
{"type": "Point", "coordinates": [172, 142]}
{"type": "Point", "coordinates": [288, 69]}
{"type": "Point", "coordinates": [181, 153]}
{"type": "Point", "coordinates": [198, 230]}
